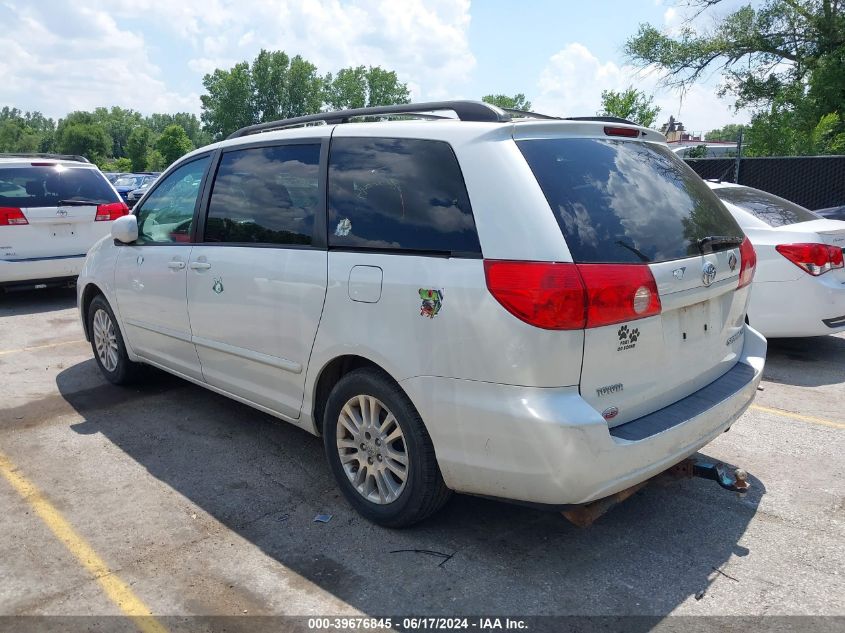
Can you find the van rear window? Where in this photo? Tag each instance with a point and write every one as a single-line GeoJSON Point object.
{"type": "Point", "coordinates": [625, 201]}
{"type": "Point", "coordinates": [43, 186]}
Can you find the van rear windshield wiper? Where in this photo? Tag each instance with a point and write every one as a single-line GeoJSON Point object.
{"type": "Point", "coordinates": [79, 203]}
{"type": "Point", "coordinates": [714, 241]}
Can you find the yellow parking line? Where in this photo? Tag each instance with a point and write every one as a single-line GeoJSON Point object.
{"type": "Point", "coordinates": [116, 590]}
{"type": "Point", "coordinates": [798, 416]}
{"type": "Point", "coordinates": [29, 349]}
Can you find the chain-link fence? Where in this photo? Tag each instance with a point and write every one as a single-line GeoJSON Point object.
{"type": "Point", "coordinates": [814, 182]}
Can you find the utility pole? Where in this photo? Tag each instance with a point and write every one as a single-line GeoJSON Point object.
{"type": "Point", "coordinates": [738, 155]}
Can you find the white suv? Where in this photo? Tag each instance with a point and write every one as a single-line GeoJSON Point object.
{"type": "Point", "coordinates": [540, 310]}
{"type": "Point", "coordinates": [53, 208]}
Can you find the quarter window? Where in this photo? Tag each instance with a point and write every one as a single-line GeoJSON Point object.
{"type": "Point", "coordinates": [265, 195]}
{"type": "Point", "coordinates": [168, 212]}
{"type": "Point", "coordinates": [398, 194]}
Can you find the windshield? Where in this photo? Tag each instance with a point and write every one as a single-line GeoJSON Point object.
{"type": "Point", "coordinates": [128, 181]}
{"type": "Point", "coordinates": [769, 208]}
{"type": "Point", "coordinates": [25, 187]}
{"type": "Point", "coordinates": [626, 201]}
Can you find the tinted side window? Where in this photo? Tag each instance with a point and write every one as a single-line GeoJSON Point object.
{"type": "Point", "coordinates": [773, 210]}
{"type": "Point", "coordinates": [167, 214]}
{"type": "Point", "coordinates": [265, 195]}
{"type": "Point", "coordinates": [398, 194]}
{"type": "Point", "coordinates": [625, 201]}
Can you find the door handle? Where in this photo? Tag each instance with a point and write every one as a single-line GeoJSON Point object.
{"type": "Point", "coordinates": [200, 265]}
{"type": "Point", "coordinates": [176, 265]}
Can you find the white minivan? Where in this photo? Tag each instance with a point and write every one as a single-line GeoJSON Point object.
{"type": "Point", "coordinates": [539, 310]}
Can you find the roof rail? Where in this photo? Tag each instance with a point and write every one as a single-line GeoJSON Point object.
{"type": "Point", "coordinates": [606, 119]}
{"type": "Point", "coordinates": [465, 110]}
{"type": "Point", "coordinates": [74, 157]}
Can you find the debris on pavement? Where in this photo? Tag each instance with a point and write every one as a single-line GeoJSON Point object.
{"type": "Point", "coordinates": [322, 518]}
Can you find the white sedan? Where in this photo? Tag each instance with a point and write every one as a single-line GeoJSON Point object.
{"type": "Point", "coordinates": [799, 287]}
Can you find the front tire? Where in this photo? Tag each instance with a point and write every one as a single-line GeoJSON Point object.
{"type": "Point", "coordinates": [380, 452]}
{"type": "Point", "coordinates": [107, 344]}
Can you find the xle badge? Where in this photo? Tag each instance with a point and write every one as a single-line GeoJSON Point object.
{"type": "Point", "coordinates": [218, 285]}
{"type": "Point", "coordinates": [627, 338]}
{"type": "Point", "coordinates": [432, 301]}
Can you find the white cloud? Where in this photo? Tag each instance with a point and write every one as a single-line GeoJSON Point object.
{"type": "Point", "coordinates": [59, 58]}
{"type": "Point", "coordinates": [88, 55]}
{"type": "Point", "coordinates": [573, 79]}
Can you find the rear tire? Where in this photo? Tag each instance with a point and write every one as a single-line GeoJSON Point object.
{"type": "Point", "coordinates": [107, 344]}
{"type": "Point", "coordinates": [380, 452]}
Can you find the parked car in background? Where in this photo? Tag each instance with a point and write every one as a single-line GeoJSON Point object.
{"type": "Point", "coordinates": [799, 289]}
{"type": "Point", "coordinates": [136, 194]}
{"type": "Point", "coordinates": [547, 311]}
{"type": "Point", "coordinates": [130, 182]}
{"type": "Point", "coordinates": [832, 213]}
{"type": "Point", "coordinates": [111, 176]}
{"type": "Point", "coordinates": [52, 210]}
{"type": "Point", "coordinates": [711, 150]}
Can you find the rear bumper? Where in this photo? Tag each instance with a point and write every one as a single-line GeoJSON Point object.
{"type": "Point", "coordinates": [809, 306]}
{"type": "Point", "coordinates": [16, 272]}
{"type": "Point", "coordinates": [548, 446]}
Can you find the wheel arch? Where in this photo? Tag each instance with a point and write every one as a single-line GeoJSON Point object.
{"type": "Point", "coordinates": [88, 294]}
{"type": "Point", "coordinates": [329, 376]}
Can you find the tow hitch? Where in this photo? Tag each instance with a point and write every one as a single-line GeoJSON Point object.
{"type": "Point", "coordinates": [729, 477]}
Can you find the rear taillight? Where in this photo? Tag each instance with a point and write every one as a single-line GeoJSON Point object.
{"type": "Point", "coordinates": [815, 259]}
{"type": "Point", "coordinates": [559, 296]}
{"type": "Point", "coordinates": [619, 292]}
{"type": "Point", "coordinates": [548, 295]}
{"type": "Point", "coordinates": [748, 263]}
{"type": "Point", "coordinates": [111, 211]}
{"type": "Point", "coordinates": [12, 216]}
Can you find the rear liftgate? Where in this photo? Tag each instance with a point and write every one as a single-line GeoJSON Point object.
{"type": "Point", "coordinates": [729, 477]}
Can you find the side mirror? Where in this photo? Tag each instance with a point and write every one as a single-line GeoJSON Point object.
{"type": "Point", "coordinates": [125, 229]}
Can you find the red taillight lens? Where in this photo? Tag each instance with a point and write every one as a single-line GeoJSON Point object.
{"type": "Point", "coordinates": [556, 296]}
{"type": "Point", "coordinates": [815, 259]}
{"type": "Point", "coordinates": [111, 211]}
{"type": "Point", "coordinates": [548, 295]}
{"type": "Point", "coordinates": [628, 132]}
{"type": "Point", "coordinates": [748, 263]}
{"type": "Point", "coordinates": [11, 216]}
{"type": "Point", "coordinates": [619, 292]}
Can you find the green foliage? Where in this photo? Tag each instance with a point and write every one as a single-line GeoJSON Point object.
{"type": "Point", "coordinates": [173, 143]}
{"type": "Point", "coordinates": [361, 87]}
{"type": "Point", "coordinates": [785, 59]}
{"type": "Point", "coordinates": [25, 131]}
{"type": "Point", "coordinates": [275, 86]}
{"type": "Point", "coordinates": [117, 164]}
{"type": "Point", "coordinates": [80, 133]}
{"type": "Point", "coordinates": [118, 124]}
{"type": "Point", "coordinates": [631, 104]}
{"type": "Point", "coordinates": [155, 161]}
{"type": "Point", "coordinates": [729, 132]}
{"type": "Point", "coordinates": [699, 151]}
{"type": "Point", "coordinates": [516, 102]}
{"type": "Point", "coordinates": [137, 147]}
{"type": "Point", "coordinates": [189, 122]}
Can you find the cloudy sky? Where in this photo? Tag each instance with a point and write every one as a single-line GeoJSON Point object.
{"type": "Point", "coordinates": [151, 55]}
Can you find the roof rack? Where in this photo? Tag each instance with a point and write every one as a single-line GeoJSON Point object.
{"type": "Point", "coordinates": [606, 119]}
{"type": "Point", "coordinates": [465, 111]}
{"type": "Point", "coordinates": [74, 157]}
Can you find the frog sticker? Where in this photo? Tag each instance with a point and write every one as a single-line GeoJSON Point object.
{"type": "Point", "coordinates": [432, 301]}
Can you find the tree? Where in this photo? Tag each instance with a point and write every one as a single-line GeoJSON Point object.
{"type": "Point", "coordinates": [631, 104]}
{"type": "Point", "coordinates": [361, 87]}
{"type": "Point", "coordinates": [785, 59]}
{"type": "Point", "coordinates": [516, 102]}
{"type": "Point", "coordinates": [229, 103]}
{"type": "Point", "coordinates": [137, 146]}
{"type": "Point", "coordinates": [118, 124]}
{"type": "Point", "coordinates": [80, 133]}
{"type": "Point", "coordinates": [173, 144]}
{"type": "Point", "coordinates": [729, 132]}
{"type": "Point", "coordinates": [189, 122]}
{"type": "Point", "coordinates": [25, 131]}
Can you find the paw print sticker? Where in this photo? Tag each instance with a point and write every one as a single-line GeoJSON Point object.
{"type": "Point", "coordinates": [635, 334]}
{"type": "Point", "coordinates": [623, 332]}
